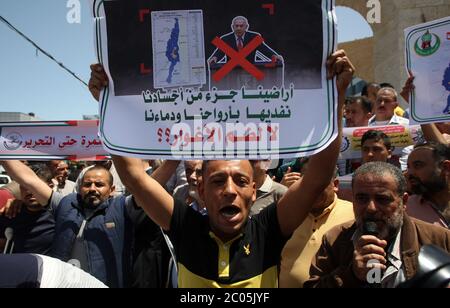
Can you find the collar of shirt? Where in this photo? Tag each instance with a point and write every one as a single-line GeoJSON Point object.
{"type": "Point", "coordinates": [267, 185]}
{"type": "Point", "coordinates": [393, 253]}
{"type": "Point", "coordinates": [393, 275]}
{"type": "Point", "coordinates": [394, 120]}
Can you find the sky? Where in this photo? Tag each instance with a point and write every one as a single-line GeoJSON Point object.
{"type": "Point", "coordinates": [30, 82]}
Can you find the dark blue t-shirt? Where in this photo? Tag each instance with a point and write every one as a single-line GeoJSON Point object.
{"type": "Point", "coordinates": [33, 231]}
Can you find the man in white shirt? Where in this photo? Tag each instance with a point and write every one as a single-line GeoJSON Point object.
{"type": "Point", "coordinates": [384, 109]}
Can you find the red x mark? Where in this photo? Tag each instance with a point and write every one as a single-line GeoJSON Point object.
{"type": "Point", "coordinates": [238, 58]}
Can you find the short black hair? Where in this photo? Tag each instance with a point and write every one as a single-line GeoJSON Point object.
{"type": "Point", "coordinates": [43, 172]}
{"type": "Point", "coordinates": [386, 85]}
{"type": "Point", "coordinates": [377, 136]}
{"type": "Point", "coordinates": [365, 89]}
{"type": "Point", "coordinates": [366, 105]}
{"type": "Point", "coordinates": [100, 167]}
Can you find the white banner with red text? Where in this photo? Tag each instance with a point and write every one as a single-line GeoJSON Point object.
{"type": "Point", "coordinates": [400, 136]}
{"type": "Point", "coordinates": [71, 140]}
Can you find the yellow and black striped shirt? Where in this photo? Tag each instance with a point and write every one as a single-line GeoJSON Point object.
{"type": "Point", "coordinates": [250, 260]}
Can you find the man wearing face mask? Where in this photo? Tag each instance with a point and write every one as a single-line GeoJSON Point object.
{"type": "Point", "coordinates": [380, 248]}
{"type": "Point", "coordinates": [428, 176]}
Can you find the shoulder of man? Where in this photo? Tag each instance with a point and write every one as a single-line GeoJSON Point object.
{"type": "Point", "coordinates": [341, 232]}
{"type": "Point", "coordinates": [431, 234]}
{"type": "Point", "coordinates": [279, 188]}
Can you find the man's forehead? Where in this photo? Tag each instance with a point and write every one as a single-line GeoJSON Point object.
{"type": "Point", "coordinates": [62, 165]}
{"type": "Point", "coordinates": [97, 173]}
{"type": "Point", "coordinates": [228, 165]}
{"type": "Point", "coordinates": [367, 181]}
{"type": "Point", "coordinates": [192, 164]}
{"type": "Point", "coordinates": [422, 153]}
{"type": "Point", "coordinates": [386, 93]}
{"type": "Point", "coordinates": [374, 142]}
{"type": "Point", "coordinates": [373, 88]}
{"type": "Point", "coordinates": [354, 106]}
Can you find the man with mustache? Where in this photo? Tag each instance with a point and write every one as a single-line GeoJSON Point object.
{"type": "Point", "coordinates": [60, 170]}
{"type": "Point", "coordinates": [385, 109]}
{"type": "Point", "coordinates": [428, 177]}
{"type": "Point", "coordinates": [381, 247]}
{"type": "Point", "coordinates": [358, 111]}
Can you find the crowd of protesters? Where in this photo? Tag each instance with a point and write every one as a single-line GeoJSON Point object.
{"type": "Point", "coordinates": [133, 223]}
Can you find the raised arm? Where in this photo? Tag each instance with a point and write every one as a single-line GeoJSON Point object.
{"type": "Point", "coordinates": [23, 175]}
{"type": "Point", "coordinates": [432, 133]}
{"type": "Point", "coordinates": [98, 80]}
{"type": "Point", "coordinates": [163, 174]}
{"type": "Point", "coordinates": [148, 193]}
{"type": "Point", "coordinates": [295, 205]}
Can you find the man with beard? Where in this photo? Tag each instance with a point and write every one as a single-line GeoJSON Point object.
{"type": "Point", "coordinates": [428, 176]}
{"type": "Point", "coordinates": [380, 248]}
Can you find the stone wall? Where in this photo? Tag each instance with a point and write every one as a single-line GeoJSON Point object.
{"type": "Point", "coordinates": [388, 40]}
{"type": "Point", "coordinates": [361, 54]}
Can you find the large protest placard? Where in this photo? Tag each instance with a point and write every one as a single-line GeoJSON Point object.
{"type": "Point", "coordinates": [73, 140]}
{"type": "Point", "coordinates": [428, 58]}
{"type": "Point", "coordinates": [216, 79]}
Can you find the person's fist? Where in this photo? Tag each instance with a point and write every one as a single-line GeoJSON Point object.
{"type": "Point", "coordinates": [290, 178]}
{"type": "Point", "coordinates": [338, 64]}
{"type": "Point", "coordinates": [11, 209]}
{"type": "Point", "coordinates": [98, 80]}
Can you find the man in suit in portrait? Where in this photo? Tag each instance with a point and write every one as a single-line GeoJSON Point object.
{"type": "Point", "coordinates": [238, 39]}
